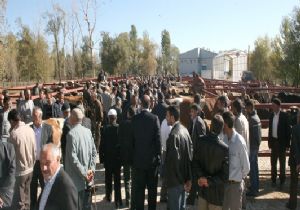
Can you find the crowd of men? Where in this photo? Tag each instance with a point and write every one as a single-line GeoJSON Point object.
{"type": "Point", "coordinates": [132, 126]}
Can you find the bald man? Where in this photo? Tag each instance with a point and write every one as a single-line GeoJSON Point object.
{"type": "Point", "coordinates": [59, 191]}
{"type": "Point", "coordinates": [80, 162]}
{"type": "Point", "coordinates": [146, 155]}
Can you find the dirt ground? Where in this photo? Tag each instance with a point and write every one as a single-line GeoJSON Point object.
{"type": "Point", "coordinates": [268, 199]}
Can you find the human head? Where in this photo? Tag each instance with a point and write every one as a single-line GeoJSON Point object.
{"type": "Point", "coordinates": [222, 103]}
{"type": "Point", "coordinates": [217, 124]}
{"type": "Point", "coordinates": [37, 115]}
{"type": "Point", "coordinates": [160, 97]}
{"type": "Point", "coordinates": [194, 111]}
{"type": "Point", "coordinates": [228, 118]}
{"type": "Point", "coordinates": [6, 103]}
{"type": "Point", "coordinates": [13, 117]}
{"type": "Point", "coordinates": [249, 106]}
{"type": "Point", "coordinates": [49, 160]}
{"type": "Point", "coordinates": [145, 102]}
{"type": "Point", "coordinates": [66, 110]}
{"type": "Point", "coordinates": [42, 94]}
{"type": "Point", "coordinates": [197, 98]}
{"type": "Point", "coordinates": [1, 100]}
{"type": "Point", "coordinates": [172, 115]}
{"type": "Point", "coordinates": [276, 105]}
{"type": "Point", "coordinates": [130, 112]}
{"type": "Point", "coordinates": [76, 116]}
{"type": "Point", "coordinates": [49, 96]}
{"type": "Point", "coordinates": [61, 96]}
{"type": "Point", "coordinates": [27, 94]}
{"type": "Point", "coordinates": [237, 106]}
{"type": "Point", "coordinates": [112, 116]}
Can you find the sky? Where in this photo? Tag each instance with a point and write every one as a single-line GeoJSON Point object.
{"type": "Point", "coordinates": [217, 25]}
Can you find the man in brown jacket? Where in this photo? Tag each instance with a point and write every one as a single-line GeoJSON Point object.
{"type": "Point", "coordinates": [23, 139]}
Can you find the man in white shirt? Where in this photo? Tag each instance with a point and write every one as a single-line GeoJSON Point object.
{"type": "Point", "coordinates": [164, 132]}
{"type": "Point", "coordinates": [239, 165]}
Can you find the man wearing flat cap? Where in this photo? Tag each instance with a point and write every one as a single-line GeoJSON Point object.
{"type": "Point", "coordinates": [278, 141]}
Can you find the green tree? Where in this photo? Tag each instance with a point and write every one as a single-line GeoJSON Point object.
{"type": "Point", "coordinates": [148, 63]}
{"type": "Point", "coordinates": [260, 63]}
{"type": "Point", "coordinates": [166, 50]}
{"type": "Point", "coordinates": [134, 50]}
{"type": "Point", "coordinates": [174, 60]}
{"type": "Point", "coordinates": [106, 53]}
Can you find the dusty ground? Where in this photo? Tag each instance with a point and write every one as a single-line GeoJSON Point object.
{"type": "Point", "coordinates": [269, 198]}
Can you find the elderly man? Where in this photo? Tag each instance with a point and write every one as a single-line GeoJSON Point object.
{"type": "Point", "coordinates": [178, 163]}
{"type": "Point", "coordinates": [23, 139]}
{"type": "Point", "coordinates": [80, 161]}
{"type": "Point", "coordinates": [59, 191]}
{"type": "Point", "coordinates": [43, 135]}
{"type": "Point", "coordinates": [294, 163]}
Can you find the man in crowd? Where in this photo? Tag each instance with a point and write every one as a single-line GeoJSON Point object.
{"type": "Point", "coordinates": [80, 156]}
{"type": "Point", "coordinates": [254, 142]}
{"type": "Point", "coordinates": [110, 156]}
{"type": "Point", "coordinates": [23, 139]}
{"type": "Point", "coordinates": [59, 191]}
{"type": "Point", "coordinates": [294, 162]}
{"type": "Point", "coordinates": [60, 102]}
{"type": "Point", "coordinates": [210, 167]}
{"type": "Point", "coordinates": [160, 108]}
{"type": "Point", "coordinates": [41, 100]}
{"type": "Point", "coordinates": [279, 141]}
{"type": "Point", "coordinates": [239, 165]}
{"type": "Point", "coordinates": [97, 116]}
{"type": "Point", "coordinates": [43, 135]}
{"type": "Point", "coordinates": [222, 104]}
{"type": "Point", "coordinates": [146, 155]}
{"type": "Point", "coordinates": [4, 123]}
{"type": "Point", "coordinates": [26, 107]}
{"type": "Point", "coordinates": [7, 174]}
{"type": "Point", "coordinates": [50, 109]}
{"type": "Point", "coordinates": [196, 130]}
{"type": "Point", "coordinates": [126, 147]}
{"type": "Point", "coordinates": [178, 163]}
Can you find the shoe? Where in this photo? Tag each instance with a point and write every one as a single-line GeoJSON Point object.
{"type": "Point", "coordinates": [251, 194]}
{"type": "Point", "coordinates": [118, 205]}
{"type": "Point", "coordinates": [273, 184]}
{"type": "Point", "coordinates": [287, 205]}
{"type": "Point", "coordinates": [107, 198]}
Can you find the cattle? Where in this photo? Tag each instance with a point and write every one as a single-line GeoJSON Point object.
{"type": "Point", "coordinates": [288, 98]}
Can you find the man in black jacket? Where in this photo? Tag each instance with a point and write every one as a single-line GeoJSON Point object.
{"type": "Point", "coordinates": [196, 130]}
{"type": "Point", "coordinates": [160, 108]}
{"type": "Point", "coordinates": [210, 166]}
{"type": "Point", "coordinates": [146, 155]}
{"type": "Point", "coordinates": [279, 140]}
{"type": "Point", "coordinates": [59, 192]}
{"type": "Point", "coordinates": [254, 140]}
{"type": "Point", "coordinates": [126, 143]}
{"type": "Point", "coordinates": [178, 163]}
{"type": "Point", "coordinates": [110, 155]}
{"type": "Point", "coordinates": [294, 162]}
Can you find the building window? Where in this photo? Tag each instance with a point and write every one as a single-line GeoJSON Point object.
{"type": "Point", "coordinates": [204, 67]}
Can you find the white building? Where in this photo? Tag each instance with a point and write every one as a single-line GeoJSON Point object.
{"type": "Point", "coordinates": [229, 65]}
{"type": "Point", "coordinates": [196, 60]}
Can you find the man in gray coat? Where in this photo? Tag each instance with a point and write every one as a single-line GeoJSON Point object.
{"type": "Point", "coordinates": [80, 160]}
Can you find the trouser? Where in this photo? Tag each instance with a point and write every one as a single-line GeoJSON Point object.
{"type": "Point", "coordinates": [193, 193]}
{"type": "Point", "coordinates": [37, 177]}
{"type": "Point", "coordinates": [21, 198]}
{"type": "Point", "coordinates": [145, 178]}
{"type": "Point", "coordinates": [127, 178]}
{"type": "Point", "coordinates": [176, 198]}
{"type": "Point", "coordinates": [163, 190]}
{"type": "Point", "coordinates": [109, 173]}
{"type": "Point", "coordinates": [277, 152]}
{"type": "Point", "coordinates": [293, 187]}
{"type": "Point", "coordinates": [233, 195]}
{"type": "Point", "coordinates": [84, 200]}
{"type": "Point", "coordinates": [204, 205]}
{"type": "Point", "coordinates": [254, 174]}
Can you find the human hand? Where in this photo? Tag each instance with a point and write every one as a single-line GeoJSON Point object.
{"type": "Point", "coordinates": [188, 186]}
{"type": "Point", "coordinates": [202, 182]}
{"type": "Point", "coordinates": [1, 203]}
{"type": "Point", "coordinates": [90, 175]}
